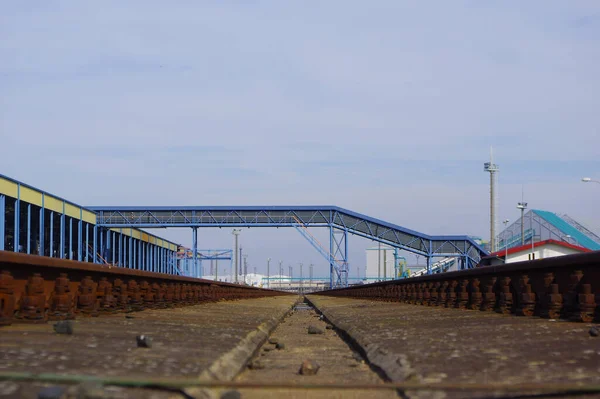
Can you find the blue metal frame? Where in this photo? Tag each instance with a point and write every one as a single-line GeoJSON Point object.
{"type": "Point", "coordinates": [2, 223]}
{"type": "Point", "coordinates": [288, 216]}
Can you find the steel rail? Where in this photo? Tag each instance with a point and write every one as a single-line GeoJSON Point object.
{"type": "Point", "coordinates": [560, 287]}
{"type": "Point", "coordinates": [37, 289]}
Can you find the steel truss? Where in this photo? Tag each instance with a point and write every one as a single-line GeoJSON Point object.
{"type": "Point", "coordinates": [332, 217]}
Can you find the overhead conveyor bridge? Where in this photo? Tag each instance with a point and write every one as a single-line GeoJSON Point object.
{"type": "Point", "coordinates": [340, 222]}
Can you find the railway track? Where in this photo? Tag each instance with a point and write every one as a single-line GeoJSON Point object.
{"type": "Point", "coordinates": [373, 340]}
{"type": "Point", "coordinates": [36, 289]}
{"type": "Point", "coordinates": [566, 287]}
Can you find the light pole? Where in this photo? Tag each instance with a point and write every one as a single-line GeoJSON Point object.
{"type": "Point", "coordinates": [589, 180]}
{"type": "Point", "coordinates": [245, 257]}
{"type": "Point", "coordinates": [236, 233]}
{"type": "Point", "coordinates": [268, 272]}
{"type": "Point", "coordinates": [505, 221]}
{"type": "Point", "coordinates": [301, 285]}
{"type": "Point", "coordinates": [522, 206]}
{"type": "Point", "coordinates": [280, 272]}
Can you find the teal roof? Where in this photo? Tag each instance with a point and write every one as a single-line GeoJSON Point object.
{"type": "Point", "coordinates": [566, 228]}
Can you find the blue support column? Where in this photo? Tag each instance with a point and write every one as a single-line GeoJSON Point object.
{"type": "Point", "coordinates": [17, 229]}
{"type": "Point", "coordinates": [113, 242]}
{"type": "Point", "coordinates": [62, 235]}
{"type": "Point", "coordinates": [396, 271]}
{"type": "Point", "coordinates": [130, 263]}
{"type": "Point", "coordinates": [124, 256]}
{"type": "Point", "coordinates": [332, 277]}
{"type": "Point", "coordinates": [28, 229]}
{"type": "Point", "coordinates": [42, 246]}
{"type": "Point", "coordinates": [71, 238]}
{"type": "Point", "coordinates": [87, 242]}
{"type": "Point", "coordinates": [2, 222]}
{"type": "Point", "coordinates": [95, 243]}
{"type": "Point", "coordinates": [429, 259]}
{"type": "Point", "coordinates": [120, 262]}
{"type": "Point", "coordinates": [79, 238]}
{"type": "Point", "coordinates": [51, 234]}
{"type": "Point", "coordinates": [195, 249]}
{"type": "Point", "coordinates": [134, 253]}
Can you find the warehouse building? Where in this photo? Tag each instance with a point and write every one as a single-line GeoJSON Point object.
{"type": "Point", "coordinates": [35, 222]}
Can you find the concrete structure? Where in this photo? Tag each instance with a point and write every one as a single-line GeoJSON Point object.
{"type": "Point", "coordinates": [380, 264]}
{"type": "Point", "coordinates": [539, 250]}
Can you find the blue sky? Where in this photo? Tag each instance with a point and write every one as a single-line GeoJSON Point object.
{"type": "Point", "coordinates": [388, 109]}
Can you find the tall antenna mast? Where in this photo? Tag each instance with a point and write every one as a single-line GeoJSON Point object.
{"type": "Point", "coordinates": [492, 168]}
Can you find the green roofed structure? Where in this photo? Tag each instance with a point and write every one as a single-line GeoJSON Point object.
{"type": "Point", "coordinates": [543, 225]}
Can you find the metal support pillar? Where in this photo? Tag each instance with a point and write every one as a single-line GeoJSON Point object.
{"type": "Point", "coordinates": [113, 244]}
{"type": "Point", "coordinates": [94, 249]}
{"type": "Point", "coordinates": [79, 239]}
{"type": "Point", "coordinates": [331, 259]}
{"type": "Point", "coordinates": [195, 250]}
{"type": "Point", "coordinates": [87, 242]}
{"type": "Point", "coordinates": [338, 262]}
{"type": "Point", "coordinates": [428, 258]}
{"type": "Point", "coordinates": [62, 235]}
{"type": "Point", "coordinates": [51, 249]}
{"type": "Point", "coordinates": [120, 249]}
{"type": "Point", "coordinates": [2, 221]}
{"type": "Point", "coordinates": [28, 229]}
{"type": "Point", "coordinates": [17, 229]}
{"type": "Point", "coordinates": [131, 252]}
{"type": "Point", "coordinates": [396, 271]}
{"type": "Point", "coordinates": [42, 246]}
{"type": "Point", "coordinates": [71, 238]}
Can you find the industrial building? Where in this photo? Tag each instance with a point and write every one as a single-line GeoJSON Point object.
{"type": "Point", "coordinates": [537, 250]}
{"type": "Point", "coordinates": [380, 263]}
{"type": "Point", "coordinates": [35, 222]}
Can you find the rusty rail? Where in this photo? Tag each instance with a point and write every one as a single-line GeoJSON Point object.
{"type": "Point", "coordinates": [36, 289]}
{"type": "Point", "coordinates": [566, 287]}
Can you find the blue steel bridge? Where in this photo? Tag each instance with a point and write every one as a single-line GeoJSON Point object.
{"type": "Point", "coordinates": [36, 222]}
{"type": "Point", "coordinates": [339, 221]}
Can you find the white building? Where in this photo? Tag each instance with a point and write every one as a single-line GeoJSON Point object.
{"type": "Point", "coordinates": [380, 263]}
{"type": "Point", "coordinates": [539, 250]}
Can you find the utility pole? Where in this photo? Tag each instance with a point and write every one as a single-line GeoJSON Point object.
{"type": "Point", "coordinates": [268, 272]}
{"type": "Point", "coordinates": [301, 285]}
{"type": "Point", "coordinates": [245, 267]}
{"type": "Point", "coordinates": [236, 233]}
{"type": "Point", "coordinates": [522, 206]}
{"type": "Point", "coordinates": [492, 168]}
{"type": "Point", "coordinates": [505, 221]}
